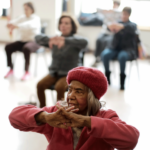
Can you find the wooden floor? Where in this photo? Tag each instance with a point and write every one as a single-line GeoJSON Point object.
{"type": "Point", "coordinates": [132, 105]}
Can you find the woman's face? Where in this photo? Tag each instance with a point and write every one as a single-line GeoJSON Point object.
{"type": "Point", "coordinates": [27, 10]}
{"type": "Point", "coordinates": [77, 96]}
{"type": "Point", "coordinates": [65, 26]}
{"type": "Point", "coordinates": [125, 16]}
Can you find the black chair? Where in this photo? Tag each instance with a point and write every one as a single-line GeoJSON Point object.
{"type": "Point", "coordinates": [131, 64]}
{"type": "Point", "coordinates": [137, 39]}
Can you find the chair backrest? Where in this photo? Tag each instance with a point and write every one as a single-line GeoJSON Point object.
{"type": "Point", "coordinates": [44, 25]}
{"type": "Point", "coordinates": [81, 57]}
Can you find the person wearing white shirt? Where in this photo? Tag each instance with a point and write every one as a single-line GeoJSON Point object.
{"type": "Point", "coordinates": [28, 26]}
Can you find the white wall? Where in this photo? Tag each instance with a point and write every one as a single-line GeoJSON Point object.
{"type": "Point", "coordinates": [47, 10]}
{"type": "Point", "coordinates": [4, 33]}
{"type": "Point", "coordinates": [145, 38]}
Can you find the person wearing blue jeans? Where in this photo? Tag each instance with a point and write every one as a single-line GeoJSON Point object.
{"type": "Point", "coordinates": [108, 54]}
{"type": "Point", "coordinates": [123, 46]}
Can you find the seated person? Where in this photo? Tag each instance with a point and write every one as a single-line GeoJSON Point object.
{"type": "Point", "coordinates": [83, 124]}
{"type": "Point", "coordinates": [106, 36]}
{"type": "Point", "coordinates": [65, 55]}
{"type": "Point", "coordinates": [28, 26]}
{"type": "Point", "coordinates": [123, 46]}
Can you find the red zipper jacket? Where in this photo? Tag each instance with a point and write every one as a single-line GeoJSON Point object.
{"type": "Point", "coordinates": [107, 130]}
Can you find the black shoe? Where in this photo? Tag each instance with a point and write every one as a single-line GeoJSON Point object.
{"type": "Point", "coordinates": [107, 74]}
{"type": "Point", "coordinates": [122, 81]}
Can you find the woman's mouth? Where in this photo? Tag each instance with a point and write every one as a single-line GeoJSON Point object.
{"type": "Point", "coordinates": [70, 105]}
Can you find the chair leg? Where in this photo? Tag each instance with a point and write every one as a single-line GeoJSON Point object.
{"type": "Point", "coordinates": [44, 56]}
{"type": "Point", "coordinates": [113, 68]}
{"type": "Point", "coordinates": [36, 58]}
{"type": "Point", "coordinates": [14, 57]}
{"type": "Point", "coordinates": [137, 65]}
{"type": "Point", "coordinates": [130, 68]}
{"type": "Point", "coordinates": [52, 94]}
{"type": "Point", "coordinates": [82, 59]}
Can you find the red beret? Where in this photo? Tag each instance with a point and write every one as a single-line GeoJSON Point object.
{"type": "Point", "coordinates": [91, 77]}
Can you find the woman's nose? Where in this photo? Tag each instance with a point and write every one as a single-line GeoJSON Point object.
{"type": "Point", "coordinates": [71, 95]}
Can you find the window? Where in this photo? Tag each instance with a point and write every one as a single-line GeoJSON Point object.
{"type": "Point", "coordinates": [4, 4]}
{"type": "Point", "coordinates": [140, 9]}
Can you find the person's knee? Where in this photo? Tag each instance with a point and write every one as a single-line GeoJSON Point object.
{"type": "Point", "coordinates": [105, 54]}
{"type": "Point", "coordinates": [40, 86]}
{"type": "Point", "coordinates": [99, 40]}
{"type": "Point", "coordinates": [26, 48]}
{"type": "Point", "coordinates": [122, 56]}
{"type": "Point", "coordinates": [7, 47]}
{"type": "Point", "coordinates": [59, 88]}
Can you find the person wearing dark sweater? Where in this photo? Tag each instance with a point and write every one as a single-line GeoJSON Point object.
{"type": "Point", "coordinates": [123, 46]}
{"type": "Point", "coordinates": [65, 56]}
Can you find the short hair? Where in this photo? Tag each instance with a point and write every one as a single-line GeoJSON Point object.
{"type": "Point", "coordinates": [117, 2]}
{"type": "Point", "coordinates": [128, 10]}
{"type": "Point", "coordinates": [30, 5]}
{"type": "Point", "coordinates": [73, 23]}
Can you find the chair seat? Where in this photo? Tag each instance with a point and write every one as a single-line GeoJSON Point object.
{"type": "Point", "coordinates": [52, 87]}
{"type": "Point", "coordinates": [40, 50]}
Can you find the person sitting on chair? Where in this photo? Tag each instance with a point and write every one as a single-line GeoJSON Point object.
{"type": "Point", "coordinates": [65, 55]}
{"type": "Point", "coordinates": [83, 124]}
{"type": "Point", "coordinates": [105, 37]}
{"type": "Point", "coordinates": [123, 46]}
{"type": "Point", "coordinates": [28, 26]}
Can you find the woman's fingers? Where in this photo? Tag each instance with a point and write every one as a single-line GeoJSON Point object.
{"type": "Point", "coordinates": [75, 110]}
{"type": "Point", "coordinates": [69, 108]}
{"type": "Point", "coordinates": [58, 107]}
{"type": "Point", "coordinates": [63, 126]}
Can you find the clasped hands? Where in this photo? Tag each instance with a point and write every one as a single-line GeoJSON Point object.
{"type": "Point", "coordinates": [115, 27]}
{"type": "Point", "coordinates": [11, 26]}
{"type": "Point", "coordinates": [58, 41]}
{"type": "Point", "coordinates": [64, 118]}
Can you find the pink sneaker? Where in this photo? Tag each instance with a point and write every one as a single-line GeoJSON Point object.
{"type": "Point", "coordinates": [10, 73]}
{"type": "Point", "coordinates": [25, 76]}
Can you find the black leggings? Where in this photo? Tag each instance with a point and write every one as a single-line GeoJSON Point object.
{"type": "Point", "coordinates": [25, 47]}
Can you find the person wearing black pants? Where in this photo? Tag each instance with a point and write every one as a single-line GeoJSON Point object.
{"type": "Point", "coordinates": [28, 26]}
{"type": "Point", "coordinates": [25, 47]}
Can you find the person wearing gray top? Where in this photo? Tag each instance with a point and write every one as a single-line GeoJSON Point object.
{"type": "Point", "coordinates": [65, 55]}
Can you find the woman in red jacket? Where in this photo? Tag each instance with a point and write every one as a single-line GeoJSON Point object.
{"type": "Point", "coordinates": [83, 125]}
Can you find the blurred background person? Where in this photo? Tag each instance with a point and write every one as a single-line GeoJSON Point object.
{"type": "Point", "coordinates": [65, 56]}
{"type": "Point", "coordinates": [123, 46]}
{"type": "Point", "coordinates": [28, 26]}
{"type": "Point", "coordinates": [105, 37]}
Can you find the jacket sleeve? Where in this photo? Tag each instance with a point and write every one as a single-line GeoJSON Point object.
{"type": "Point", "coordinates": [16, 20]}
{"type": "Point", "coordinates": [75, 41]}
{"type": "Point", "coordinates": [114, 131]}
{"type": "Point", "coordinates": [22, 118]}
{"type": "Point", "coordinates": [32, 24]}
{"type": "Point", "coordinates": [130, 28]}
{"type": "Point", "coordinates": [42, 40]}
